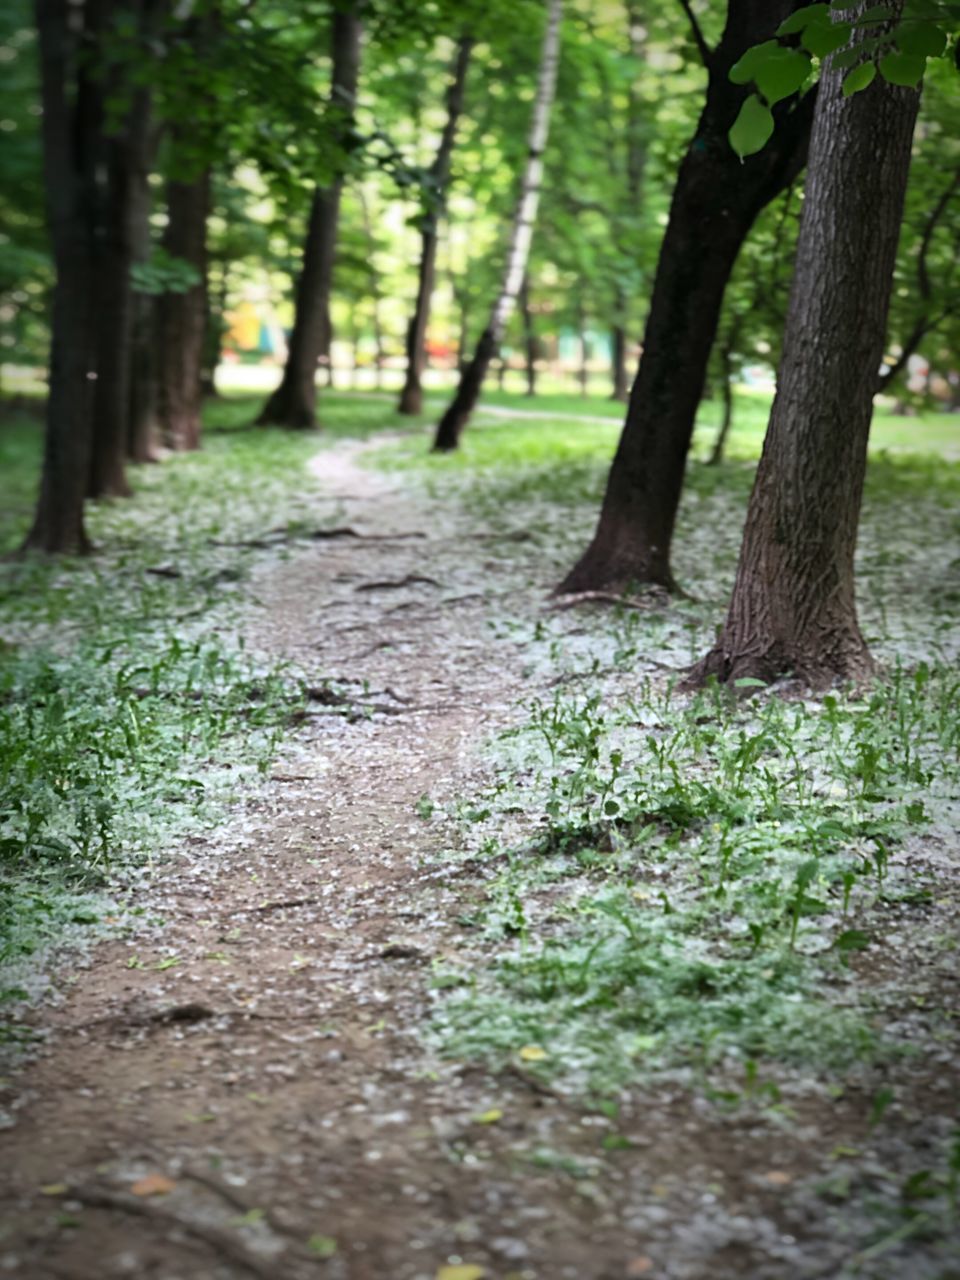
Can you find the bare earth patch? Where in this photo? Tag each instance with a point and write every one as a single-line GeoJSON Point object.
{"type": "Point", "coordinates": [246, 1089]}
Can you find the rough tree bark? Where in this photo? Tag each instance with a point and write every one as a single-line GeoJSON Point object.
{"type": "Point", "coordinates": [294, 403]}
{"type": "Point", "coordinates": [181, 317]}
{"type": "Point", "coordinates": [793, 609]}
{"type": "Point", "coordinates": [458, 413]}
{"type": "Point", "coordinates": [72, 138]}
{"type": "Point", "coordinates": [411, 397]}
{"type": "Point", "coordinates": [715, 202]}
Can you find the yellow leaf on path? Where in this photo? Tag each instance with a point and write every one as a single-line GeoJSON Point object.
{"type": "Point", "coordinates": [54, 1189]}
{"type": "Point", "coordinates": [533, 1053]}
{"type": "Point", "coordinates": [154, 1184]}
{"type": "Point", "coordinates": [462, 1271]}
{"type": "Point", "coordinates": [490, 1117]}
{"type": "Point", "coordinates": [778, 1179]}
{"type": "Point", "coordinates": [640, 1266]}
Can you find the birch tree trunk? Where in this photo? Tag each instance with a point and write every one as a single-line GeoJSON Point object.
{"type": "Point", "coordinates": [793, 609]}
{"type": "Point", "coordinates": [411, 397]}
{"type": "Point", "coordinates": [458, 413]}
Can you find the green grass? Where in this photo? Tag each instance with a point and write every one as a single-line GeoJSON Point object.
{"type": "Point", "coordinates": [128, 713]}
{"type": "Point", "coordinates": [699, 877]}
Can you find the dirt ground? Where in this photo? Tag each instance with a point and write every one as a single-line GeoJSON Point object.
{"type": "Point", "coordinates": [260, 1057]}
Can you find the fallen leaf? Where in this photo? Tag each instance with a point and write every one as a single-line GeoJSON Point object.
{"type": "Point", "coordinates": [462, 1271]}
{"type": "Point", "coordinates": [322, 1246]}
{"type": "Point", "coordinates": [154, 1184]}
{"type": "Point", "coordinates": [778, 1179]}
{"type": "Point", "coordinates": [489, 1117]}
{"type": "Point", "coordinates": [533, 1053]}
{"type": "Point", "coordinates": [640, 1266]}
{"type": "Point", "coordinates": [54, 1189]}
{"type": "Point", "coordinates": [250, 1218]}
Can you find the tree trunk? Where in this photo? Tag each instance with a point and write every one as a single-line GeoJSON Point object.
{"type": "Point", "coordinates": [214, 329]}
{"type": "Point", "coordinates": [71, 131]}
{"type": "Point", "coordinates": [458, 413]}
{"type": "Point", "coordinates": [411, 397]}
{"type": "Point", "coordinates": [529, 340]}
{"type": "Point", "coordinates": [294, 403]}
{"type": "Point", "coordinates": [715, 202]}
{"type": "Point", "coordinates": [793, 609]}
{"type": "Point", "coordinates": [619, 370]}
{"type": "Point", "coordinates": [726, 390]}
{"type": "Point", "coordinates": [181, 317]}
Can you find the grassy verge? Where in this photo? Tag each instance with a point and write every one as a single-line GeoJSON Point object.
{"type": "Point", "coordinates": [129, 711]}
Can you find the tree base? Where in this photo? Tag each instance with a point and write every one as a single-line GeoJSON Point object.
{"type": "Point", "coordinates": [285, 410]}
{"type": "Point", "coordinates": [411, 400]}
{"type": "Point", "coordinates": [603, 569]}
{"type": "Point", "coordinates": [846, 661]}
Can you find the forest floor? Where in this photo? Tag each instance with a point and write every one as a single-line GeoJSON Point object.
{"type": "Point", "coordinates": [301, 1059]}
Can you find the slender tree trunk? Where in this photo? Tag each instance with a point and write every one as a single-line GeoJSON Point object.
{"type": "Point", "coordinates": [181, 317]}
{"type": "Point", "coordinates": [619, 370]}
{"type": "Point", "coordinates": [71, 130]}
{"type": "Point", "coordinates": [793, 609]}
{"type": "Point", "coordinates": [529, 339]}
{"type": "Point", "coordinates": [726, 391]}
{"type": "Point", "coordinates": [214, 330]}
{"type": "Point", "coordinates": [294, 403]}
{"type": "Point", "coordinates": [458, 414]}
{"type": "Point", "coordinates": [715, 202]}
{"type": "Point", "coordinates": [583, 373]}
{"type": "Point", "coordinates": [411, 397]}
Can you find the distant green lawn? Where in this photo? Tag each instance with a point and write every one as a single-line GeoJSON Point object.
{"type": "Point", "coordinates": [494, 440]}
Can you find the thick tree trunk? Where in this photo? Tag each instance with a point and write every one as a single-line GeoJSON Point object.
{"type": "Point", "coordinates": [125, 238]}
{"type": "Point", "coordinates": [181, 317]}
{"type": "Point", "coordinates": [715, 202]}
{"type": "Point", "coordinates": [71, 130]}
{"type": "Point", "coordinates": [458, 413]}
{"type": "Point", "coordinates": [294, 403]}
{"type": "Point", "coordinates": [793, 609]}
{"type": "Point", "coordinates": [411, 397]}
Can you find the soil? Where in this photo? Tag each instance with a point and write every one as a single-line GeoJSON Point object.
{"type": "Point", "coordinates": [264, 1062]}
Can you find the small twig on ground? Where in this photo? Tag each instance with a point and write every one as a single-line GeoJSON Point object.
{"type": "Point", "coordinates": [266, 907]}
{"type": "Point", "coordinates": [656, 596]}
{"type": "Point", "coordinates": [411, 580]}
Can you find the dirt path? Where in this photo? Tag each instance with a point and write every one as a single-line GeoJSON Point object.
{"type": "Point", "coordinates": [262, 1053]}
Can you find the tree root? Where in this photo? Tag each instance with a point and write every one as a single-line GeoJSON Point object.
{"type": "Point", "coordinates": [653, 597]}
{"type": "Point", "coordinates": [221, 1241]}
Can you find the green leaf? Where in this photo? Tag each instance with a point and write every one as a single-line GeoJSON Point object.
{"type": "Point", "coordinates": [903, 68]}
{"type": "Point", "coordinates": [821, 38]}
{"type": "Point", "coordinates": [852, 940]}
{"type": "Point", "coordinates": [861, 51]}
{"type": "Point", "coordinates": [876, 13]}
{"type": "Point", "coordinates": [923, 39]}
{"type": "Point", "coordinates": [322, 1246]}
{"type": "Point", "coordinates": [751, 130]}
{"type": "Point", "coordinates": [749, 682]}
{"type": "Point", "coordinates": [747, 68]}
{"type": "Point", "coordinates": [859, 78]}
{"type": "Point", "coordinates": [779, 77]}
{"type": "Point", "coordinates": [802, 18]}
